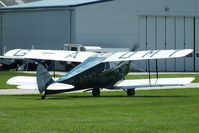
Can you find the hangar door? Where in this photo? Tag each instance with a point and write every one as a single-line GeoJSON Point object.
{"type": "Point", "coordinates": [170, 33]}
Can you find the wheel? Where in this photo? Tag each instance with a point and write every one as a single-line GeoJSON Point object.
{"type": "Point", "coordinates": [96, 92]}
{"type": "Point", "coordinates": [43, 97]}
{"type": "Point", "coordinates": [130, 92]}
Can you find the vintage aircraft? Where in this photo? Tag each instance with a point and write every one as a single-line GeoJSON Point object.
{"type": "Point", "coordinates": [96, 71]}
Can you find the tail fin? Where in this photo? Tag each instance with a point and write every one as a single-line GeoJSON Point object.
{"type": "Point", "coordinates": [43, 78]}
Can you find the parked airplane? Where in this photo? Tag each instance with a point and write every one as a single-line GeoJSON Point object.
{"type": "Point", "coordinates": [96, 71]}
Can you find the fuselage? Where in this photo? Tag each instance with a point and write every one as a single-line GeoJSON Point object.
{"type": "Point", "coordinates": [103, 75]}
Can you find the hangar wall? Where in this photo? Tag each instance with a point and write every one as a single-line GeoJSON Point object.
{"type": "Point", "coordinates": [154, 24]}
{"type": "Point", "coordinates": [109, 24]}
{"type": "Point", "coordinates": [169, 33]}
{"type": "Point", "coordinates": [46, 29]}
{"type": "Point", "coordinates": [1, 45]}
{"type": "Point", "coordinates": [173, 24]}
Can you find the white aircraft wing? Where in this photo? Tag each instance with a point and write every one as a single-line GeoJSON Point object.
{"type": "Point", "coordinates": [26, 82]}
{"type": "Point", "coordinates": [57, 55]}
{"type": "Point", "coordinates": [145, 55]}
{"type": "Point", "coordinates": [59, 86]}
{"type": "Point", "coordinates": [161, 82]}
{"type": "Point", "coordinates": [23, 82]}
{"type": "Point", "coordinates": [29, 82]}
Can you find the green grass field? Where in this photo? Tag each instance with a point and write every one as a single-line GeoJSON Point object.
{"type": "Point", "coordinates": [154, 111]}
{"type": "Point", "coordinates": [157, 111]}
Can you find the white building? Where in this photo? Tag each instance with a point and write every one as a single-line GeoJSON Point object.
{"type": "Point", "coordinates": [154, 24]}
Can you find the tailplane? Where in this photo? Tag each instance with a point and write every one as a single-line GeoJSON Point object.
{"type": "Point", "coordinates": [44, 79]}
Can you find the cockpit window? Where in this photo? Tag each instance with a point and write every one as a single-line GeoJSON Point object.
{"type": "Point", "coordinates": [110, 65]}
{"type": "Point", "coordinates": [107, 65]}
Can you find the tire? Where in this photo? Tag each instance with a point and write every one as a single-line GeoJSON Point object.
{"type": "Point", "coordinates": [96, 92]}
{"type": "Point", "coordinates": [130, 92]}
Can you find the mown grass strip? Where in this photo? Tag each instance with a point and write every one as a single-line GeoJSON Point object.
{"type": "Point", "coordinates": [160, 111]}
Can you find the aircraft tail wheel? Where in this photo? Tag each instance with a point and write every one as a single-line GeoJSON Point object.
{"type": "Point", "coordinates": [96, 92]}
{"type": "Point", "coordinates": [130, 92]}
{"type": "Point", "coordinates": [43, 97]}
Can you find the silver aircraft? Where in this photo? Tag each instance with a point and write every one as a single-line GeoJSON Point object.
{"type": "Point", "coordinates": [95, 71]}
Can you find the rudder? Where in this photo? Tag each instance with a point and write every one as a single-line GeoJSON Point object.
{"type": "Point", "coordinates": [44, 79]}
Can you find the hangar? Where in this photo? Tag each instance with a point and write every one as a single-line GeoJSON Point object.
{"type": "Point", "coordinates": [154, 24]}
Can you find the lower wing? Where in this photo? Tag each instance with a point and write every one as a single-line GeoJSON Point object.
{"type": "Point", "coordinates": [161, 82]}
{"type": "Point", "coordinates": [28, 82]}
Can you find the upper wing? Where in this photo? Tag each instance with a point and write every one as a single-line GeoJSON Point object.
{"type": "Point", "coordinates": [57, 55]}
{"type": "Point", "coordinates": [145, 55]}
{"type": "Point", "coordinates": [161, 82]}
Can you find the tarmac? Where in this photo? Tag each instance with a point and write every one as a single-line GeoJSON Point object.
{"type": "Point", "coordinates": [31, 91]}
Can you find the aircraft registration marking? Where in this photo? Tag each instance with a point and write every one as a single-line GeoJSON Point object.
{"type": "Point", "coordinates": [21, 52]}
{"type": "Point", "coordinates": [74, 55]}
{"type": "Point", "coordinates": [173, 53]}
{"type": "Point", "coordinates": [127, 55]}
{"type": "Point", "coordinates": [151, 53]}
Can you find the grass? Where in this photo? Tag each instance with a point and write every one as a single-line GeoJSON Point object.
{"type": "Point", "coordinates": [156, 111]}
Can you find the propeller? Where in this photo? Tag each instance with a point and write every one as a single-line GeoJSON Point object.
{"type": "Point", "coordinates": [135, 47]}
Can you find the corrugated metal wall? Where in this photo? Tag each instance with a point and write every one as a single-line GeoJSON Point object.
{"type": "Point", "coordinates": [1, 45]}
{"type": "Point", "coordinates": [197, 43]}
{"type": "Point", "coordinates": [155, 24]}
{"type": "Point", "coordinates": [46, 29]}
{"type": "Point", "coordinates": [109, 24]}
{"type": "Point", "coordinates": [170, 33]}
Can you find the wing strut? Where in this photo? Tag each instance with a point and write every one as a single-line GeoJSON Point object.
{"type": "Point", "coordinates": [149, 69]}
{"type": "Point", "coordinates": [156, 63]}
{"type": "Point", "coordinates": [54, 68]}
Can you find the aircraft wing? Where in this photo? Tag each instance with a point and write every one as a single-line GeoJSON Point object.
{"type": "Point", "coordinates": [56, 55]}
{"type": "Point", "coordinates": [30, 82]}
{"type": "Point", "coordinates": [146, 55]}
{"type": "Point", "coordinates": [23, 82]}
{"type": "Point", "coordinates": [161, 82]}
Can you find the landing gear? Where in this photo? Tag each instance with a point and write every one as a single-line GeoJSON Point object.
{"type": "Point", "coordinates": [130, 92]}
{"type": "Point", "coordinates": [96, 92]}
{"type": "Point", "coordinates": [44, 96]}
